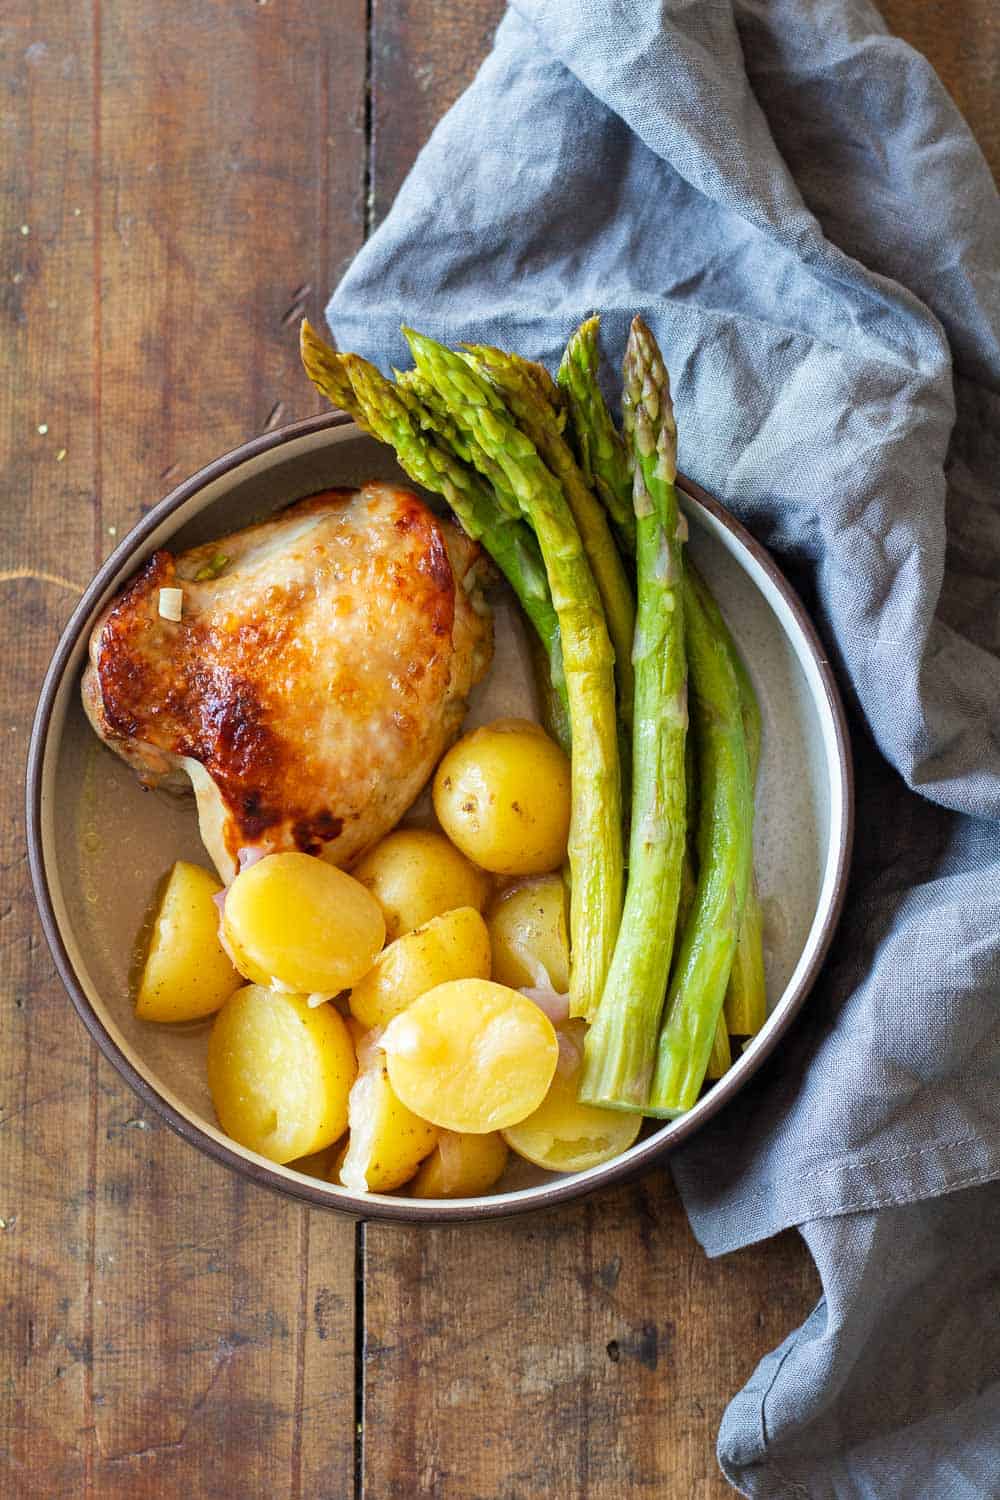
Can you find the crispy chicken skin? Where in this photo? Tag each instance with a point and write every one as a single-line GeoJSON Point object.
{"type": "Point", "coordinates": [308, 690]}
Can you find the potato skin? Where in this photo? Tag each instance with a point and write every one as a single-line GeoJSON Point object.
{"type": "Point", "coordinates": [279, 1072]}
{"type": "Point", "coordinates": [529, 935]}
{"type": "Point", "coordinates": [455, 945]}
{"type": "Point", "coordinates": [187, 974]}
{"type": "Point", "coordinates": [466, 1166]}
{"type": "Point", "coordinates": [502, 795]}
{"type": "Point", "coordinates": [416, 874]}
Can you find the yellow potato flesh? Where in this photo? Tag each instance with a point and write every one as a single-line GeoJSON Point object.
{"type": "Point", "coordinates": [387, 1141]}
{"type": "Point", "coordinates": [453, 946]}
{"type": "Point", "coordinates": [297, 920]}
{"type": "Point", "coordinates": [461, 1166]}
{"type": "Point", "coordinates": [502, 795]}
{"type": "Point", "coordinates": [564, 1135]}
{"type": "Point", "coordinates": [471, 1056]}
{"type": "Point", "coordinates": [187, 974]}
{"type": "Point", "coordinates": [529, 937]}
{"type": "Point", "coordinates": [416, 874]}
{"type": "Point", "coordinates": [279, 1072]}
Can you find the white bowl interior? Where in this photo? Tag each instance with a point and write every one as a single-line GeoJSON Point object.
{"type": "Point", "coordinates": [106, 842]}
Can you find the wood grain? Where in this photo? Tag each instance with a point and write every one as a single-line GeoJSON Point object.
{"type": "Point", "coordinates": [424, 54]}
{"type": "Point", "coordinates": [187, 196]}
{"type": "Point", "coordinates": [586, 1355]}
{"type": "Point", "coordinates": [46, 553]}
{"type": "Point", "coordinates": [188, 177]}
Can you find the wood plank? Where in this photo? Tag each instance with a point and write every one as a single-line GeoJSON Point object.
{"type": "Point", "coordinates": [423, 55]}
{"type": "Point", "coordinates": [231, 192]}
{"type": "Point", "coordinates": [586, 1354]}
{"type": "Point", "coordinates": [46, 555]}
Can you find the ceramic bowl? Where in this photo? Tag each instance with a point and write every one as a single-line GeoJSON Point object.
{"type": "Point", "coordinates": [98, 843]}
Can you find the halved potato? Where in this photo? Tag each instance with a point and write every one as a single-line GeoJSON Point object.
{"type": "Point", "coordinates": [461, 1166]}
{"type": "Point", "coordinates": [294, 919]}
{"type": "Point", "coordinates": [471, 1056]}
{"type": "Point", "coordinates": [187, 974]}
{"type": "Point", "coordinates": [279, 1072]}
{"type": "Point", "coordinates": [455, 945]}
{"type": "Point", "coordinates": [564, 1135]}
{"type": "Point", "coordinates": [387, 1141]}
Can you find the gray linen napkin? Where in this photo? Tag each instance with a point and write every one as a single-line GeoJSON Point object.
{"type": "Point", "coordinates": [790, 198]}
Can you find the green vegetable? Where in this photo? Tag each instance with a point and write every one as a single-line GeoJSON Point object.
{"type": "Point", "coordinates": [746, 994]}
{"type": "Point", "coordinates": [602, 454]}
{"type": "Point", "coordinates": [725, 830]}
{"type": "Point", "coordinates": [519, 387]}
{"type": "Point", "coordinates": [396, 417]}
{"type": "Point", "coordinates": [620, 1049]}
{"type": "Point", "coordinates": [595, 843]}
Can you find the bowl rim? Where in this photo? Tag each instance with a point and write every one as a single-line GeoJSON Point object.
{"type": "Point", "coordinates": [298, 1186]}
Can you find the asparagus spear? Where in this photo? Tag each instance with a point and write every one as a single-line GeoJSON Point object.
{"type": "Point", "coordinates": [534, 415]}
{"type": "Point", "coordinates": [601, 452]}
{"type": "Point", "coordinates": [620, 1049]}
{"type": "Point", "coordinates": [725, 827]}
{"type": "Point", "coordinates": [746, 995]}
{"type": "Point", "coordinates": [393, 416]}
{"type": "Point", "coordinates": [720, 1059]}
{"type": "Point", "coordinates": [595, 843]}
{"type": "Point", "coordinates": [433, 415]}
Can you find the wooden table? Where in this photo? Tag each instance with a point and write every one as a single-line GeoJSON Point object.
{"type": "Point", "coordinates": [181, 181]}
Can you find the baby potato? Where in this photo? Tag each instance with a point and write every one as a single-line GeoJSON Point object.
{"type": "Point", "coordinates": [387, 1141]}
{"type": "Point", "coordinates": [187, 974]}
{"type": "Point", "coordinates": [461, 1166]}
{"type": "Point", "coordinates": [564, 1135]}
{"type": "Point", "coordinates": [279, 1072]}
{"type": "Point", "coordinates": [502, 795]}
{"type": "Point", "coordinates": [415, 874]}
{"type": "Point", "coordinates": [297, 920]}
{"type": "Point", "coordinates": [529, 936]}
{"type": "Point", "coordinates": [455, 945]}
{"type": "Point", "coordinates": [471, 1056]}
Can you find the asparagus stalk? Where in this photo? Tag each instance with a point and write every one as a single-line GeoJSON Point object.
{"type": "Point", "coordinates": [535, 417]}
{"type": "Point", "coordinates": [620, 1048]}
{"type": "Point", "coordinates": [595, 842]}
{"type": "Point", "coordinates": [746, 994]}
{"type": "Point", "coordinates": [601, 452]}
{"type": "Point", "coordinates": [725, 828]}
{"type": "Point", "coordinates": [394, 417]}
{"type": "Point", "coordinates": [720, 1059]}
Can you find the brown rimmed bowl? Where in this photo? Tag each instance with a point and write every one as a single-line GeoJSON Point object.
{"type": "Point", "coordinates": [98, 843]}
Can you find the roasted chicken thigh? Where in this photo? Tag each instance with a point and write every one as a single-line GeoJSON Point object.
{"type": "Point", "coordinates": [319, 669]}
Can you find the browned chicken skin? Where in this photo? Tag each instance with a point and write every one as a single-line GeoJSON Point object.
{"type": "Point", "coordinates": [308, 690]}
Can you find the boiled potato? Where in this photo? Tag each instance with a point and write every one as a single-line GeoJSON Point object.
{"type": "Point", "coordinates": [461, 1166]}
{"type": "Point", "coordinates": [187, 974]}
{"type": "Point", "coordinates": [455, 945]}
{"type": "Point", "coordinates": [415, 874]}
{"type": "Point", "coordinates": [387, 1141]}
{"type": "Point", "coordinates": [502, 795]}
{"type": "Point", "coordinates": [471, 1055]}
{"type": "Point", "coordinates": [529, 936]}
{"type": "Point", "coordinates": [295, 920]}
{"type": "Point", "coordinates": [279, 1072]}
{"type": "Point", "coordinates": [564, 1135]}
